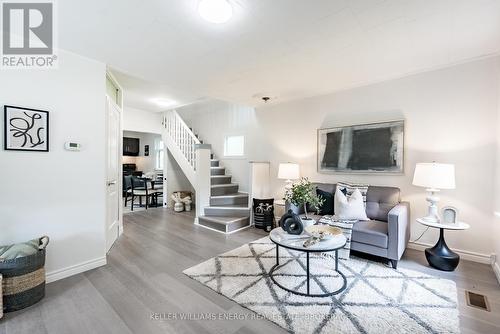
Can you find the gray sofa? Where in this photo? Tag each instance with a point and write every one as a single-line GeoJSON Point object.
{"type": "Point", "coordinates": [387, 232]}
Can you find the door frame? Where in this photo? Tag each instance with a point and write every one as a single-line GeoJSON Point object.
{"type": "Point", "coordinates": [120, 149]}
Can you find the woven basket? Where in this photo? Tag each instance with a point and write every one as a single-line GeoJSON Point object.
{"type": "Point", "coordinates": [23, 282]}
{"type": "Point", "coordinates": [183, 194]}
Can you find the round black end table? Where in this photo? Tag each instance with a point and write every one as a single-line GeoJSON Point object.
{"type": "Point", "coordinates": [441, 256]}
{"type": "Point", "coordinates": [282, 239]}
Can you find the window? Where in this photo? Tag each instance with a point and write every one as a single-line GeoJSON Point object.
{"type": "Point", "coordinates": [234, 146]}
{"type": "Point", "coordinates": [112, 90]}
{"type": "Point", "coordinates": [159, 154]}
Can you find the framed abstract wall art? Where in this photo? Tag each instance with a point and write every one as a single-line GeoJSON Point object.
{"type": "Point", "coordinates": [26, 129]}
{"type": "Point", "coordinates": [365, 148]}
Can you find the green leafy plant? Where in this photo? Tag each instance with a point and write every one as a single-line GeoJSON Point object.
{"type": "Point", "coordinates": [302, 193]}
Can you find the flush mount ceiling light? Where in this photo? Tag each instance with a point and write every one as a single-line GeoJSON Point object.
{"type": "Point", "coordinates": [161, 102]}
{"type": "Point", "coordinates": [215, 11]}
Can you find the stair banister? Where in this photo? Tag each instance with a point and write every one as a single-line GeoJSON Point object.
{"type": "Point", "coordinates": [191, 156]}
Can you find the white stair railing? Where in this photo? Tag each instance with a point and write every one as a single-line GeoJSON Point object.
{"type": "Point", "coordinates": [191, 156]}
{"type": "Point", "coordinates": [182, 136]}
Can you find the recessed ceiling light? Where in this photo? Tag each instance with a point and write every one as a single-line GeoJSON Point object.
{"type": "Point", "coordinates": [161, 102]}
{"type": "Point", "coordinates": [215, 11]}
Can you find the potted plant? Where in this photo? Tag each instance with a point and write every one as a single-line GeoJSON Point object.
{"type": "Point", "coordinates": [303, 193]}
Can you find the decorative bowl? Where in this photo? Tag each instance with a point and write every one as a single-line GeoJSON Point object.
{"type": "Point", "coordinates": [327, 231]}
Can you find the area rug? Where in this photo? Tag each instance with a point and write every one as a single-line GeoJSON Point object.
{"type": "Point", "coordinates": [378, 299]}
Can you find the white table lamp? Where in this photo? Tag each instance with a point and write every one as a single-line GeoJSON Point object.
{"type": "Point", "coordinates": [434, 176]}
{"type": "Point", "coordinates": [289, 172]}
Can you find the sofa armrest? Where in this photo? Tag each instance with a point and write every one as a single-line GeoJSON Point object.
{"type": "Point", "coordinates": [398, 229]}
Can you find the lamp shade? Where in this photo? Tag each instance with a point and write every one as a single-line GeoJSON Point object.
{"type": "Point", "coordinates": [434, 175]}
{"type": "Point", "coordinates": [288, 171]}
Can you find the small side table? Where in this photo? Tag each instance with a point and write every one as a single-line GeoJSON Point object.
{"type": "Point", "coordinates": [279, 210]}
{"type": "Point", "coordinates": [440, 256]}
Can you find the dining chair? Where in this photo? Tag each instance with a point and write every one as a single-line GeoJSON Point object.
{"type": "Point", "coordinates": [137, 187]}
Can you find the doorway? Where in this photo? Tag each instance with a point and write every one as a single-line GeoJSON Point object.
{"type": "Point", "coordinates": [114, 212]}
{"type": "Point", "coordinates": [142, 165]}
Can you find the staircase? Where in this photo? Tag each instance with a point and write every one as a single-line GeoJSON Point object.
{"type": "Point", "coordinates": [221, 207]}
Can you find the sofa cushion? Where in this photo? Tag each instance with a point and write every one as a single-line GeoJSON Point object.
{"type": "Point", "coordinates": [327, 207]}
{"type": "Point", "coordinates": [380, 200]}
{"type": "Point", "coordinates": [351, 207]}
{"type": "Point", "coordinates": [371, 232]}
{"type": "Point", "coordinates": [348, 189]}
{"type": "Point", "coordinates": [328, 187]}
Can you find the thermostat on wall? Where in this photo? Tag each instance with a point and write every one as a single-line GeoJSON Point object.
{"type": "Point", "coordinates": [70, 146]}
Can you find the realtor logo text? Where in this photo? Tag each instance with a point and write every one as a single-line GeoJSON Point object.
{"type": "Point", "coordinates": [28, 35]}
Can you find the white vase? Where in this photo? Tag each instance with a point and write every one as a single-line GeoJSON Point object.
{"type": "Point", "coordinates": [187, 206]}
{"type": "Point", "coordinates": [179, 207]}
{"type": "Point", "coordinates": [307, 222]}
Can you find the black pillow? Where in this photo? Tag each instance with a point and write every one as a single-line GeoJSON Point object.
{"type": "Point", "coordinates": [327, 207]}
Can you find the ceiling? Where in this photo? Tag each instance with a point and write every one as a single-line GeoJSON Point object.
{"type": "Point", "coordinates": [287, 49]}
{"type": "Point", "coordinates": [142, 94]}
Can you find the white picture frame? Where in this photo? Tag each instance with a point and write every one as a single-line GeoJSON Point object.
{"type": "Point", "coordinates": [449, 215]}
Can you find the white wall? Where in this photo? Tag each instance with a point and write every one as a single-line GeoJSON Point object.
{"type": "Point", "coordinates": [450, 114]}
{"type": "Point", "coordinates": [496, 230]}
{"type": "Point", "coordinates": [176, 180]}
{"type": "Point", "coordinates": [141, 120]}
{"type": "Point", "coordinates": [144, 163]}
{"type": "Point", "coordinates": [59, 193]}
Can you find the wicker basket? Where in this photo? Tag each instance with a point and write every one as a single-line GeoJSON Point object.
{"type": "Point", "coordinates": [183, 194]}
{"type": "Point", "coordinates": [23, 280]}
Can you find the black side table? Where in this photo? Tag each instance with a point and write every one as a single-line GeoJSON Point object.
{"type": "Point", "coordinates": [441, 256]}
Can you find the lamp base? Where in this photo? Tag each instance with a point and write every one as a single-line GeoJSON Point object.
{"type": "Point", "coordinates": [432, 215]}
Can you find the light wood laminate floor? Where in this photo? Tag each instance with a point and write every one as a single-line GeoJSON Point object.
{"type": "Point", "coordinates": [144, 276]}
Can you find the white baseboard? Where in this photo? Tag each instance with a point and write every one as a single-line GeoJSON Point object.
{"type": "Point", "coordinates": [496, 268]}
{"type": "Point", "coordinates": [75, 269]}
{"type": "Point", "coordinates": [226, 233]}
{"type": "Point", "coordinates": [466, 255]}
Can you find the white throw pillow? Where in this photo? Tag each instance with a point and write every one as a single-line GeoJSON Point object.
{"type": "Point", "coordinates": [349, 208]}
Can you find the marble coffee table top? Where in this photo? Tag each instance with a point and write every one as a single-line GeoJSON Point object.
{"type": "Point", "coordinates": [296, 242]}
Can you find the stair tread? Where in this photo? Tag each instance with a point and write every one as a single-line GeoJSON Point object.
{"type": "Point", "coordinates": [224, 185]}
{"type": "Point", "coordinates": [223, 220]}
{"type": "Point", "coordinates": [238, 194]}
{"type": "Point", "coordinates": [221, 176]}
{"type": "Point", "coordinates": [229, 206]}
{"type": "Point", "coordinates": [217, 167]}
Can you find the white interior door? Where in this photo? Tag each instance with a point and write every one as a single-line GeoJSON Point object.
{"type": "Point", "coordinates": [113, 173]}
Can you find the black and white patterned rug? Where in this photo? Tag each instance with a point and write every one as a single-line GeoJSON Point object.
{"type": "Point", "coordinates": [378, 299]}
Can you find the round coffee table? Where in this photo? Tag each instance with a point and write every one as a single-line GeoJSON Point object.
{"type": "Point", "coordinates": [441, 256]}
{"type": "Point", "coordinates": [285, 240]}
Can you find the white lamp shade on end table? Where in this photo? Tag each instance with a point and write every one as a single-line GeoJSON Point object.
{"type": "Point", "coordinates": [288, 171]}
{"type": "Point", "coordinates": [434, 176]}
